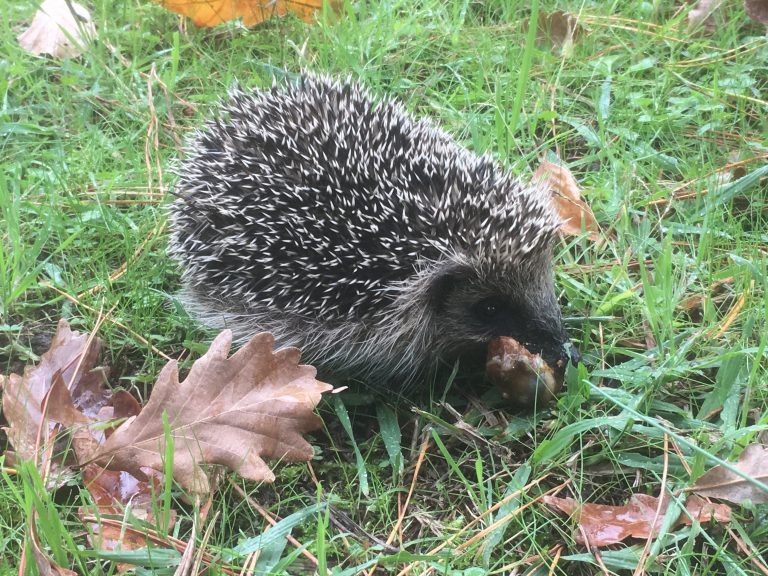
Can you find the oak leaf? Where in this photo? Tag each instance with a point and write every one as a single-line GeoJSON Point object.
{"type": "Point", "coordinates": [232, 411]}
{"type": "Point", "coordinates": [69, 362]}
{"type": "Point", "coordinates": [213, 12]}
{"type": "Point", "coordinates": [114, 493]}
{"type": "Point", "coordinates": [641, 517]}
{"type": "Point", "coordinates": [567, 199]}
{"type": "Point", "coordinates": [703, 511]}
{"type": "Point", "coordinates": [719, 482]}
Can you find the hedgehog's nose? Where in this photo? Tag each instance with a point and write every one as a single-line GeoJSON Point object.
{"type": "Point", "coordinates": [573, 354]}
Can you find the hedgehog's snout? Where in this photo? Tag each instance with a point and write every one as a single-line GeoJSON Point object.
{"type": "Point", "coordinates": [573, 354]}
{"type": "Point", "coordinates": [555, 347]}
{"type": "Point", "coordinates": [543, 337]}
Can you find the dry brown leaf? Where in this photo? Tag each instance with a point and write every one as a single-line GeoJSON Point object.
{"type": "Point", "coordinates": [23, 396]}
{"type": "Point", "coordinates": [757, 10]}
{"type": "Point", "coordinates": [112, 493]}
{"type": "Point", "coordinates": [719, 482]}
{"type": "Point", "coordinates": [558, 27]}
{"type": "Point", "coordinates": [702, 511]}
{"type": "Point", "coordinates": [641, 517]}
{"type": "Point", "coordinates": [230, 411]}
{"type": "Point", "coordinates": [213, 12]}
{"type": "Point", "coordinates": [566, 196]}
{"type": "Point", "coordinates": [702, 15]}
{"type": "Point", "coordinates": [56, 31]}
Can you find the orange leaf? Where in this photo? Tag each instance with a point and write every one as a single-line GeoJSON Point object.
{"type": "Point", "coordinates": [567, 199]}
{"type": "Point", "coordinates": [212, 12]}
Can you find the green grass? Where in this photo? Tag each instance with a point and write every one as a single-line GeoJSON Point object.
{"type": "Point", "coordinates": [638, 107]}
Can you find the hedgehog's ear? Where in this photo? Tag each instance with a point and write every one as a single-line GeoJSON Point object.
{"type": "Point", "coordinates": [442, 283]}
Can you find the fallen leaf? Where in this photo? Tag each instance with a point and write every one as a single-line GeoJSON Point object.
{"type": "Point", "coordinates": [566, 196]}
{"type": "Point", "coordinates": [213, 12]}
{"type": "Point", "coordinates": [559, 28]}
{"type": "Point", "coordinates": [84, 438]}
{"type": "Point", "coordinates": [58, 31]}
{"type": "Point", "coordinates": [603, 524]}
{"type": "Point", "coordinates": [694, 304]}
{"type": "Point", "coordinates": [702, 511]}
{"type": "Point", "coordinates": [702, 15]}
{"type": "Point", "coordinates": [230, 411]}
{"type": "Point", "coordinates": [719, 482]}
{"type": "Point", "coordinates": [45, 565]}
{"type": "Point", "coordinates": [113, 490]}
{"type": "Point", "coordinates": [757, 10]}
{"type": "Point", "coordinates": [124, 406]}
{"type": "Point", "coordinates": [114, 493]}
{"type": "Point", "coordinates": [642, 517]}
{"type": "Point", "coordinates": [23, 396]}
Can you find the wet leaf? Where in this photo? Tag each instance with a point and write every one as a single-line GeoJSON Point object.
{"type": "Point", "coordinates": [603, 524]}
{"type": "Point", "coordinates": [719, 482]}
{"type": "Point", "coordinates": [24, 396]}
{"type": "Point", "coordinates": [641, 517]}
{"type": "Point", "coordinates": [114, 493]}
{"type": "Point", "coordinates": [232, 411]}
{"type": "Point", "coordinates": [702, 511]}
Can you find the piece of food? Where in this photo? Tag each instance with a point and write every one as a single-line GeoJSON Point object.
{"type": "Point", "coordinates": [522, 377]}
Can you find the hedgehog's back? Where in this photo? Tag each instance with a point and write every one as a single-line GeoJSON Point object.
{"type": "Point", "coordinates": [316, 199]}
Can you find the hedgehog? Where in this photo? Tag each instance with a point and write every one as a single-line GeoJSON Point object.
{"type": "Point", "coordinates": [368, 238]}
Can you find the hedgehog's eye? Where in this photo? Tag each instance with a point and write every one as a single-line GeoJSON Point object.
{"type": "Point", "coordinates": [489, 309]}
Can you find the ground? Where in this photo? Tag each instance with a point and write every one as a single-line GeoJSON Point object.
{"type": "Point", "coordinates": [664, 126]}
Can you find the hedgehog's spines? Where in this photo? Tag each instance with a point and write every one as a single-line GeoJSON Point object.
{"type": "Point", "coordinates": [323, 214]}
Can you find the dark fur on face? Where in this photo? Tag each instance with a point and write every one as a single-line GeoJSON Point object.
{"type": "Point", "coordinates": [471, 310]}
